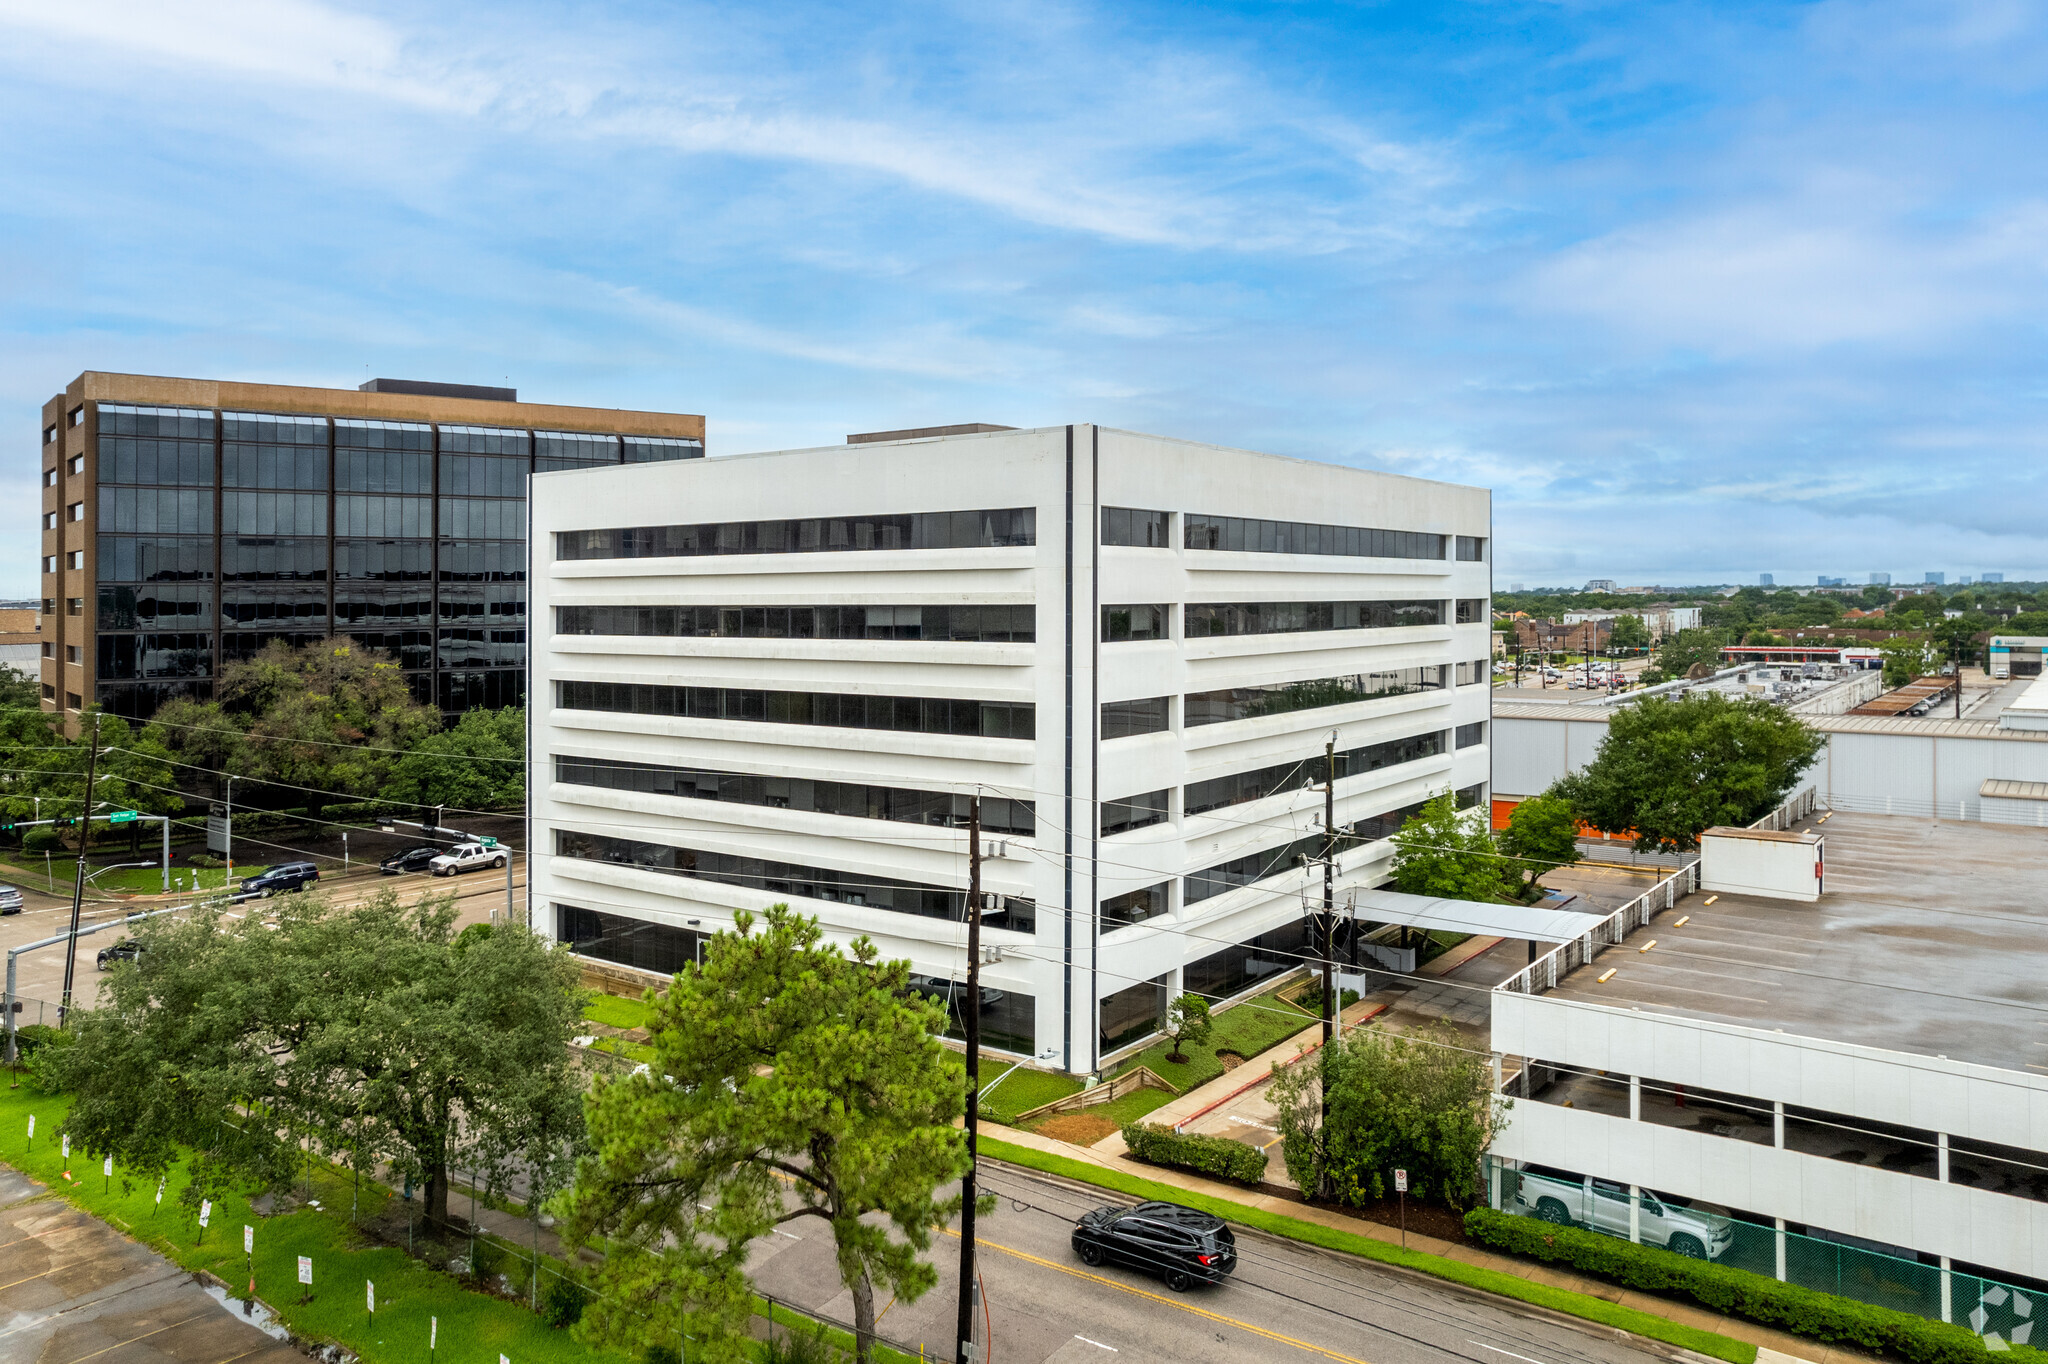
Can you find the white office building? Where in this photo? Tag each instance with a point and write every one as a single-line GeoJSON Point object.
{"type": "Point", "coordinates": [779, 677]}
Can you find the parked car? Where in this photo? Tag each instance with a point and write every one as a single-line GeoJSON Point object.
{"type": "Point", "coordinates": [282, 877]}
{"type": "Point", "coordinates": [1181, 1245]}
{"type": "Point", "coordinates": [10, 900]}
{"type": "Point", "coordinates": [412, 859]}
{"type": "Point", "coordinates": [125, 950]}
{"type": "Point", "coordinates": [1567, 1199]}
{"type": "Point", "coordinates": [466, 857]}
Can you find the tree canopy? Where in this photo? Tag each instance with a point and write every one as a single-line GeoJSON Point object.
{"type": "Point", "coordinates": [478, 765]}
{"type": "Point", "coordinates": [375, 1033]}
{"type": "Point", "coordinates": [1443, 852]}
{"type": "Point", "coordinates": [1542, 835]}
{"type": "Point", "coordinates": [789, 1080]}
{"type": "Point", "coordinates": [46, 765]}
{"type": "Point", "coordinates": [1671, 768]}
{"type": "Point", "coordinates": [330, 717]}
{"type": "Point", "coordinates": [1680, 653]}
{"type": "Point", "coordinates": [1422, 1103]}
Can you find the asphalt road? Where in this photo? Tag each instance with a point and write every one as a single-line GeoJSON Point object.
{"type": "Point", "coordinates": [1286, 1301]}
{"type": "Point", "coordinates": [41, 973]}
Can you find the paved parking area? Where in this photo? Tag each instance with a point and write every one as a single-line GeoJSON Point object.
{"type": "Point", "coordinates": [73, 1289]}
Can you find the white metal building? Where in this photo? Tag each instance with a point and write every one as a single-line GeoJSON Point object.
{"type": "Point", "coordinates": [777, 677]}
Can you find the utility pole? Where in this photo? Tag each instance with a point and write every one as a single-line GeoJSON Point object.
{"type": "Point", "coordinates": [963, 1344]}
{"type": "Point", "coordinates": [1329, 938]}
{"type": "Point", "coordinates": [92, 762]}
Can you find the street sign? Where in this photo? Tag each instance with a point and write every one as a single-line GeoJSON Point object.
{"type": "Point", "coordinates": [305, 1269]}
{"type": "Point", "coordinates": [370, 1296]}
{"type": "Point", "coordinates": [488, 841]}
{"type": "Point", "coordinates": [123, 817]}
{"type": "Point", "coordinates": [107, 1167]}
{"type": "Point", "coordinates": [1400, 1181]}
{"type": "Point", "coordinates": [248, 1239]}
{"type": "Point", "coordinates": [205, 1210]}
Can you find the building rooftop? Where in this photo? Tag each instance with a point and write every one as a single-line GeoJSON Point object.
{"type": "Point", "coordinates": [1931, 937]}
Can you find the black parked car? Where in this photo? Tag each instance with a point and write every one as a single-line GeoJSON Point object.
{"type": "Point", "coordinates": [284, 876]}
{"type": "Point", "coordinates": [125, 950]}
{"type": "Point", "coordinates": [1181, 1245]}
{"type": "Point", "coordinates": [412, 859]}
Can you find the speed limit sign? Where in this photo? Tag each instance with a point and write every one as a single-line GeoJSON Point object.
{"type": "Point", "coordinates": [1400, 1181]}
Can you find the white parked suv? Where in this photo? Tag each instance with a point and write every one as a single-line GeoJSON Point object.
{"type": "Point", "coordinates": [466, 857]}
{"type": "Point", "coordinates": [1602, 1205]}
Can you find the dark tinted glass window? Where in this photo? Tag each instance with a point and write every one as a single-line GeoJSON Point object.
{"type": "Point", "coordinates": [1279, 698]}
{"type": "Point", "coordinates": [1132, 1013]}
{"type": "Point", "coordinates": [156, 511]}
{"type": "Point", "coordinates": [1133, 622]}
{"type": "Point", "coordinates": [383, 561]}
{"type": "Point", "coordinates": [984, 623]}
{"type": "Point", "coordinates": [1135, 812]}
{"type": "Point", "coordinates": [159, 606]}
{"type": "Point", "coordinates": [1239, 787]}
{"type": "Point", "coordinates": [1294, 537]}
{"type": "Point", "coordinates": [915, 714]}
{"type": "Point", "coordinates": [915, 530]}
{"type": "Point", "coordinates": [270, 559]}
{"type": "Point", "coordinates": [782, 879]}
{"type": "Point", "coordinates": [157, 558]}
{"type": "Point", "coordinates": [650, 449]}
{"type": "Point", "coordinates": [1471, 610]}
{"type": "Point", "coordinates": [1149, 715]}
{"type": "Point", "coordinates": [1135, 906]}
{"type": "Point", "coordinates": [155, 655]}
{"type": "Point", "coordinates": [627, 942]}
{"type": "Point", "coordinates": [486, 440]}
{"type": "Point", "coordinates": [1474, 733]}
{"type": "Point", "coordinates": [1286, 617]}
{"type": "Point", "coordinates": [900, 804]}
{"type": "Point", "coordinates": [175, 423]}
{"type": "Point", "coordinates": [1128, 526]}
{"type": "Point", "coordinates": [1472, 548]}
{"type": "Point", "coordinates": [383, 471]}
{"type": "Point", "coordinates": [1249, 964]}
{"type": "Point", "coordinates": [376, 435]}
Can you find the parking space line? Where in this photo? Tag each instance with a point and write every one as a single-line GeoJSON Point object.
{"type": "Point", "coordinates": [1160, 1298]}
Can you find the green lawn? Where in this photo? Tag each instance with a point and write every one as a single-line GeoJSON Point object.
{"type": "Point", "coordinates": [618, 1046]}
{"type": "Point", "coordinates": [1247, 1028]}
{"type": "Point", "coordinates": [1129, 1108]}
{"type": "Point", "coordinates": [1491, 1280]}
{"type": "Point", "coordinates": [474, 1327]}
{"type": "Point", "coordinates": [616, 1012]}
{"type": "Point", "coordinates": [1022, 1090]}
{"type": "Point", "coordinates": [147, 880]}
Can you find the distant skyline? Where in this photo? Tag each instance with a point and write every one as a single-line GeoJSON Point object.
{"type": "Point", "coordinates": [1694, 288]}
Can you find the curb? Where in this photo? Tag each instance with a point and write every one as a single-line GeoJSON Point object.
{"type": "Point", "coordinates": [1206, 1109]}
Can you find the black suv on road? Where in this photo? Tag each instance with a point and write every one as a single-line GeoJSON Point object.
{"type": "Point", "coordinates": [125, 950]}
{"type": "Point", "coordinates": [412, 859]}
{"type": "Point", "coordinates": [283, 876]}
{"type": "Point", "coordinates": [1181, 1245]}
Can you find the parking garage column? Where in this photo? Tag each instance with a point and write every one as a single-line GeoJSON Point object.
{"type": "Point", "coordinates": [1778, 1124]}
{"type": "Point", "coordinates": [1635, 1212]}
{"type": "Point", "coordinates": [1779, 1238]}
{"type": "Point", "coordinates": [1941, 1156]}
{"type": "Point", "coordinates": [1635, 1098]}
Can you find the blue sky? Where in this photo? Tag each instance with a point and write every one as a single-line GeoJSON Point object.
{"type": "Point", "coordinates": [1699, 290]}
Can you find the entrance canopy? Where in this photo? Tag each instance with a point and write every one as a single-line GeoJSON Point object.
{"type": "Point", "coordinates": [1531, 923]}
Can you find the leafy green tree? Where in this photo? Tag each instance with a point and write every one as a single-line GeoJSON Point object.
{"type": "Point", "coordinates": [1909, 656]}
{"type": "Point", "coordinates": [36, 750]}
{"type": "Point", "coordinates": [374, 1033]}
{"type": "Point", "coordinates": [1680, 653]}
{"type": "Point", "coordinates": [1958, 638]}
{"type": "Point", "coordinates": [329, 719]}
{"type": "Point", "coordinates": [1444, 852]}
{"type": "Point", "coordinates": [1187, 1023]}
{"type": "Point", "coordinates": [478, 765]}
{"type": "Point", "coordinates": [789, 1080]}
{"type": "Point", "coordinates": [1542, 835]}
{"type": "Point", "coordinates": [1419, 1102]}
{"type": "Point", "coordinates": [1629, 632]}
{"type": "Point", "coordinates": [1671, 768]}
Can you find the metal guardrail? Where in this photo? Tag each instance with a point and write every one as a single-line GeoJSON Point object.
{"type": "Point", "coordinates": [1547, 970]}
{"type": "Point", "coordinates": [1797, 807]}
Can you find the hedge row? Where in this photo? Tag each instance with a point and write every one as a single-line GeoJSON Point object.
{"type": "Point", "coordinates": [1218, 1156]}
{"type": "Point", "coordinates": [1737, 1292]}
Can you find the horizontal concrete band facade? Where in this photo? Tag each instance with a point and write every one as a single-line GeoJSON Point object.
{"type": "Point", "coordinates": [1957, 1099]}
{"type": "Point", "coordinates": [1075, 959]}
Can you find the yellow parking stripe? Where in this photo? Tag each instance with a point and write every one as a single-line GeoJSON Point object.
{"type": "Point", "coordinates": [1170, 1302]}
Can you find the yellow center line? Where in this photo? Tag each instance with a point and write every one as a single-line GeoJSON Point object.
{"type": "Point", "coordinates": [1161, 1298]}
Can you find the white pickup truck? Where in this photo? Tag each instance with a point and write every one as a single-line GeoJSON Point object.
{"type": "Point", "coordinates": [1602, 1205]}
{"type": "Point", "coordinates": [466, 857]}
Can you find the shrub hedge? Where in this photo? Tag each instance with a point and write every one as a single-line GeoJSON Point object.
{"type": "Point", "coordinates": [1221, 1157]}
{"type": "Point", "coordinates": [1737, 1292]}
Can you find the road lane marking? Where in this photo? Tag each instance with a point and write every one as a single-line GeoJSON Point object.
{"type": "Point", "coordinates": [1097, 1344]}
{"type": "Point", "coordinates": [1169, 1302]}
{"type": "Point", "coordinates": [1509, 1353]}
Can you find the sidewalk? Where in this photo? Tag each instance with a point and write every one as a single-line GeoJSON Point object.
{"type": "Point", "coordinates": [1774, 1347]}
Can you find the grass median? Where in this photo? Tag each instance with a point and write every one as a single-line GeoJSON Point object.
{"type": "Point", "coordinates": [1330, 1238]}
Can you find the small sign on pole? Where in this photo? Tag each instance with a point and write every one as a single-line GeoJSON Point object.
{"type": "Point", "coordinates": [370, 1297]}
{"type": "Point", "coordinates": [160, 1193]}
{"type": "Point", "coordinates": [305, 1269]}
{"type": "Point", "coordinates": [248, 1239]}
{"type": "Point", "coordinates": [205, 1210]}
{"type": "Point", "coordinates": [1401, 1193]}
{"type": "Point", "coordinates": [107, 1172]}
{"type": "Point", "coordinates": [122, 817]}
{"type": "Point", "coordinates": [67, 1148]}
{"type": "Point", "coordinates": [31, 1131]}
{"type": "Point", "coordinates": [1400, 1181]}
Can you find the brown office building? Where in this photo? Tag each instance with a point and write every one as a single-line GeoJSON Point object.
{"type": "Point", "coordinates": [187, 521]}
